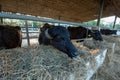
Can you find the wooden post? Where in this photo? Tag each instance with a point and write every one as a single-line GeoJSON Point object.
{"type": "Point", "coordinates": [1, 19]}
{"type": "Point", "coordinates": [114, 22]}
{"type": "Point", "coordinates": [59, 19]}
{"type": "Point", "coordinates": [27, 32]}
{"type": "Point", "coordinates": [100, 12]}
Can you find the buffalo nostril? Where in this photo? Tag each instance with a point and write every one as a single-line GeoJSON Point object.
{"type": "Point", "coordinates": [75, 54]}
{"type": "Point", "coordinates": [76, 58]}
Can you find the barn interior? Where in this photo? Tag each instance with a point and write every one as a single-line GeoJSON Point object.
{"type": "Point", "coordinates": [67, 11]}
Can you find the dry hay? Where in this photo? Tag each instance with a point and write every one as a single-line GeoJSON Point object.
{"type": "Point", "coordinates": [111, 68]}
{"type": "Point", "coordinates": [46, 63]}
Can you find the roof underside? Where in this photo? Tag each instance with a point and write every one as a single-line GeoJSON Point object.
{"type": "Point", "coordinates": [68, 10]}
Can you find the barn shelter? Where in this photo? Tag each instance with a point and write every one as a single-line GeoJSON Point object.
{"type": "Point", "coordinates": [67, 10]}
{"type": "Point", "coordinates": [32, 65]}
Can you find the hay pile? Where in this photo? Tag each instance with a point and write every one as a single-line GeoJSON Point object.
{"type": "Point", "coordinates": [111, 68]}
{"type": "Point", "coordinates": [41, 62]}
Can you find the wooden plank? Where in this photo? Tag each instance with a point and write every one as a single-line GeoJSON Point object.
{"type": "Point", "coordinates": [81, 39]}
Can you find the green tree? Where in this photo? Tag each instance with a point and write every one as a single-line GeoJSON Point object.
{"type": "Point", "coordinates": [21, 23]}
{"type": "Point", "coordinates": [36, 24]}
{"type": "Point", "coordinates": [117, 26]}
{"type": "Point", "coordinates": [93, 23]}
{"type": "Point", "coordinates": [90, 23]}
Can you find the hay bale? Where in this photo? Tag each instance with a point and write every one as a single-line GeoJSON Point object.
{"type": "Point", "coordinates": [44, 63]}
{"type": "Point", "coordinates": [111, 68]}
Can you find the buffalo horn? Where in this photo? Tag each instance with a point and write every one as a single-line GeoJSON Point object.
{"type": "Point", "coordinates": [48, 35]}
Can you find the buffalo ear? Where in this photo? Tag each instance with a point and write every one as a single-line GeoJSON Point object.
{"type": "Point", "coordinates": [41, 29]}
{"type": "Point", "coordinates": [45, 27]}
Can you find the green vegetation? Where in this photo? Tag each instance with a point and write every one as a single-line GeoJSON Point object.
{"type": "Point", "coordinates": [102, 25]}
{"type": "Point", "coordinates": [16, 22]}
{"type": "Point", "coordinates": [93, 23]}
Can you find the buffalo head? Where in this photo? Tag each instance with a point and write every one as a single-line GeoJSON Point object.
{"type": "Point", "coordinates": [58, 37]}
{"type": "Point", "coordinates": [96, 34]}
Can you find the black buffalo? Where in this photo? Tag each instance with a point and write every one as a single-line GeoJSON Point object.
{"type": "Point", "coordinates": [82, 32]}
{"type": "Point", "coordinates": [10, 37]}
{"type": "Point", "coordinates": [108, 32]}
{"type": "Point", "coordinates": [58, 37]}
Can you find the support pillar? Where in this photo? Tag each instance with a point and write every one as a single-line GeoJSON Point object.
{"type": "Point", "coordinates": [27, 32]}
{"type": "Point", "coordinates": [1, 19]}
{"type": "Point", "coordinates": [59, 20]}
{"type": "Point", "coordinates": [114, 22]}
{"type": "Point", "coordinates": [100, 12]}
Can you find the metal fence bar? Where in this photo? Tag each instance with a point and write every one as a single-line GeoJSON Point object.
{"type": "Point", "coordinates": [30, 37]}
{"type": "Point", "coordinates": [33, 18]}
{"type": "Point", "coordinates": [31, 32]}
